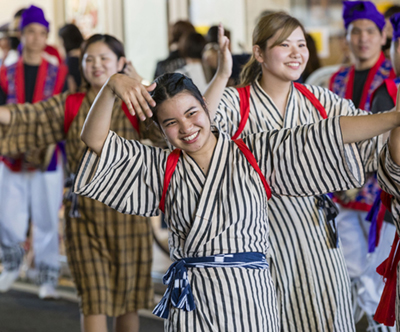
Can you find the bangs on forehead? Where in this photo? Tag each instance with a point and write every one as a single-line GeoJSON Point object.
{"type": "Point", "coordinates": [286, 31]}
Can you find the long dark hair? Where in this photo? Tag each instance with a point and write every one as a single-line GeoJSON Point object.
{"type": "Point", "coordinates": [168, 86]}
{"type": "Point", "coordinates": [113, 44]}
{"type": "Point", "coordinates": [71, 37]}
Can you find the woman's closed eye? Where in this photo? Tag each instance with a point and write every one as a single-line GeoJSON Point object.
{"type": "Point", "coordinates": [169, 123]}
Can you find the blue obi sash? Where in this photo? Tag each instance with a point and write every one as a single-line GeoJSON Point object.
{"type": "Point", "coordinates": [179, 293]}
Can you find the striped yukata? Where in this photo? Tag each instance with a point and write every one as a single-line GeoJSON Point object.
{"type": "Point", "coordinates": [389, 180]}
{"type": "Point", "coordinates": [309, 272]}
{"type": "Point", "coordinates": [225, 212]}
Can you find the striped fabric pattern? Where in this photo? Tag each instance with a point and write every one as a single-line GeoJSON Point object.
{"type": "Point", "coordinates": [389, 180]}
{"type": "Point", "coordinates": [309, 273]}
{"type": "Point", "coordinates": [223, 213]}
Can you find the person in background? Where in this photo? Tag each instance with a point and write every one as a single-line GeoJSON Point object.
{"type": "Point", "coordinates": [174, 60]}
{"type": "Point", "coordinates": [72, 40]}
{"type": "Point", "coordinates": [14, 36]}
{"type": "Point", "coordinates": [109, 253]}
{"type": "Point", "coordinates": [388, 28]}
{"type": "Point", "coordinates": [313, 61]}
{"type": "Point", "coordinates": [5, 46]}
{"type": "Point", "coordinates": [191, 48]}
{"type": "Point", "coordinates": [365, 28]}
{"type": "Point", "coordinates": [31, 183]}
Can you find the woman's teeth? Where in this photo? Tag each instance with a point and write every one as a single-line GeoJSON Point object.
{"type": "Point", "coordinates": [293, 64]}
{"type": "Point", "coordinates": [189, 138]}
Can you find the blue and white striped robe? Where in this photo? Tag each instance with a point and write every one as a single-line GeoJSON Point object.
{"type": "Point", "coordinates": [310, 274]}
{"type": "Point", "coordinates": [223, 212]}
{"type": "Point", "coordinates": [389, 180]}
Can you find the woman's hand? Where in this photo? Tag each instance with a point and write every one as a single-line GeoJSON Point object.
{"type": "Point", "coordinates": [134, 94]}
{"type": "Point", "coordinates": [224, 55]}
{"type": "Point", "coordinates": [130, 70]}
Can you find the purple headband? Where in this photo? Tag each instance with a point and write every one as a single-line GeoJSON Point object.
{"type": "Point", "coordinates": [33, 14]}
{"type": "Point", "coordinates": [356, 10]}
{"type": "Point", "coordinates": [395, 20]}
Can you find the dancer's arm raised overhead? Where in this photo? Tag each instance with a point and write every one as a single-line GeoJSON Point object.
{"type": "Point", "coordinates": [133, 94]}
{"type": "Point", "coordinates": [217, 85]}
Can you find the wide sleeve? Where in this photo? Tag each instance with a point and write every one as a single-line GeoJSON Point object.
{"type": "Point", "coordinates": [389, 173]}
{"type": "Point", "coordinates": [33, 126]}
{"type": "Point", "coordinates": [337, 106]}
{"type": "Point", "coordinates": [308, 160]}
{"type": "Point", "coordinates": [128, 176]}
{"type": "Point", "coordinates": [227, 118]}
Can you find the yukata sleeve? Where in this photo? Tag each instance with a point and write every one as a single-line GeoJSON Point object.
{"type": "Point", "coordinates": [227, 118]}
{"type": "Point", "coordinates": [127, 177]}
{"type": "Point", "coordinates": [389, 173]}
{"type": "Point", "coordinates": [389, 180]}
{"type": "Point", "coordinates": [308, 160]}
{"type": "Point", "coordinates": [337, 106]}
{"type": "Point", "coordinates": [33, 126]}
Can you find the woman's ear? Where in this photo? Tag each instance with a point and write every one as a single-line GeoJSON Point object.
{"type": "Point", "coordinates": [121, 63]}
{"type": "Point", "coordinates": [258, 54]}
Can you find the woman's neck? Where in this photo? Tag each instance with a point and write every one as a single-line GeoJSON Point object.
{"type": "Point", "coordinates": [277, 89]}
{"type": "Point", "coordinates": [204, 155]}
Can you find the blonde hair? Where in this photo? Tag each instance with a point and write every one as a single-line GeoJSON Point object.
{"type": "Point", "coordinates": [267, 26]}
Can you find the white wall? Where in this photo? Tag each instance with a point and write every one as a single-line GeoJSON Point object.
{"type": "Point", "coordinates": [231, 13]}
{"type": "Point", "coordinates": [145, 34]}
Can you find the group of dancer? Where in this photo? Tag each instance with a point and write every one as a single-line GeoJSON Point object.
{"type": "Point", "coordinates": [252, 231]}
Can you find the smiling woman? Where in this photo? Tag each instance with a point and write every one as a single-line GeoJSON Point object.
{"type": "Point", "coordinates": [316, 286]}
{"type": "Point", "coordinates": [101, 244]}
{"type": "Point", "coordinates": [214, 192]}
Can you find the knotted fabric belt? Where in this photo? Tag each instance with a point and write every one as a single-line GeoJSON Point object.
{"type": "Point", "coordinates": [179, 293]}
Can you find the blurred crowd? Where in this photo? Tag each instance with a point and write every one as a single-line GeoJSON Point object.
{"type": "Point", "coordinates": [56, 87]}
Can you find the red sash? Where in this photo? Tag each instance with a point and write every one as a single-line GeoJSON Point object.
{"type": "Point", "coordinates": [42, 91]}
{"type": "Point", "coordinates": [173, 158]}
{"type": "Point", "coordinates": [38, 94]}
{"type": "Point", "coordinates": [391, 88]}
{"type": "Point", "coordinates": [244, 96]}
{"type": "Point", "coordinates": [386, 311]}
{"type": "Point", "coordinates": [366, 90]}
{"type": "Point", "coordinates": [73, 103]}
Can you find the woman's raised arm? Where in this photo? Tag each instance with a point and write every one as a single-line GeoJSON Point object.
{"type": "Point", "coordinates": [217, 85]}
{"type": "Point", "coordinates": [132, 93]}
